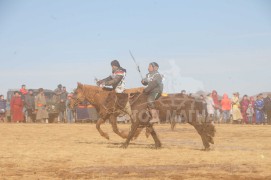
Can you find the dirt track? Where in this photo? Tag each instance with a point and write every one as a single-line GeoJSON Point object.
{"type": "Point", "coordinates": [62, 151]}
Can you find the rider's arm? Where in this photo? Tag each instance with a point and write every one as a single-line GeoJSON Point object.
{"type": "Point", "coordinates": [114, 81]}
{"type": "Point", "coordinates": [153, 84]}
{"type": "Point", "coordinates": [144, 82]}
{"type": "Point", "coordinates": [109, 78]}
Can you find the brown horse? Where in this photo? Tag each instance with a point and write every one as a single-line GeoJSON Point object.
{"type": "Point", "coordinates": [108, 106]}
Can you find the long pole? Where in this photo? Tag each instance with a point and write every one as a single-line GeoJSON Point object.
{"type": "Point", "coordinates": [137, 66]}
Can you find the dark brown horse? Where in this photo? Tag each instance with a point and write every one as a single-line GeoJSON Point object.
{"type": "Point", "coordinates": [169, 106]}
{"type": "Point", "coordinates": [191, 110]}
{"type": "Point", "coordinates": [109, 105]}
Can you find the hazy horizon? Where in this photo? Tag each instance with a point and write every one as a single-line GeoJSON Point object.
{"type": "Point", "coordinates": [199, 45]}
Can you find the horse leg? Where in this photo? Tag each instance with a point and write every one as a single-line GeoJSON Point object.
{"type": "Point", "coordinates": [199, 128]}
{"type": "Point", "coordinates": [130, 135]}
{"type": "Point", "coordinates": [138, 131]}
{"type": "Point", "coordinates": [209, 132]}
{"type": "Point", "coordinates": [113, 121]}
{"type": "Point", "coordinates": [98, 124]}
{"type": "Point", "coordinates": [173, 124]}
{"type": "Point", "coordinates": [205, 141]}
{"type": "Point", "coordinates": [155, 137]}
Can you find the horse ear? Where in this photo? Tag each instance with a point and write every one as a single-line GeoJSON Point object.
{"type": "Point", "coordinates": [80, 85]}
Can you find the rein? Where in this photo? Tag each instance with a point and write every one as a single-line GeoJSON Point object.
{"type": "Point", "coordinates": [113, 108]}
{"type": "Point", "coordinates": [91, 97]}
{"type": "Point", "coordinates": [92, 101]}
{"type": "Point", "coordinates": [132, 103]}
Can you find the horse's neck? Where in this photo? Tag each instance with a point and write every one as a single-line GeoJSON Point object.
{"type": "Point", "coordinates": [92, 88]}
{"type": "Point", "coordinates": [138, 100]}
{"type": "Point", "coordinates": [95, 95]}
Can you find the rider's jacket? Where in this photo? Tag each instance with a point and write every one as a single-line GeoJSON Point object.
{"type": "Point", "coordinates": [154, 83]}
{"type": "Point", "coordinates": [116, 80]}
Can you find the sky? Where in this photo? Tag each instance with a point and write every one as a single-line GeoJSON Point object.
{"type": "Point", "coordinates": [200, 45]}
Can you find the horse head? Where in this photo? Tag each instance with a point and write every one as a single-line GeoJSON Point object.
{"type": "Point", "coordinates": [86, 92]}
{"type": "Point", "coordinates": [78, 96]}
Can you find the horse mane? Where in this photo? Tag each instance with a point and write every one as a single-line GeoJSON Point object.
{"type": "Point", "coordinates": [132, 95]}
{"type": "Point", "coordinates": [106, 89]}
{"type": "Point", "coordinates": [92, 88]}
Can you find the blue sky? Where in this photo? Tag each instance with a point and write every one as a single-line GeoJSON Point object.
{"type": "Point", "coordinates": [222, 45]}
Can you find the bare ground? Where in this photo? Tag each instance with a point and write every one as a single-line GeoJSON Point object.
{"type": "Point", "coordinates": [77, 151]}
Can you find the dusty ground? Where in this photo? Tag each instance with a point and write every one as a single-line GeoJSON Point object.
{"type": "Point", "coordinates": [62, 151]}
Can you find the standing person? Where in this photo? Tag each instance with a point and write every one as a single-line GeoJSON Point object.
{"type": "Point", "coordinates": [58, 92]}
{"type": "Point", "coordinates": [61, 109]}
{"type": "Point", "coordinates": [216, 106]}
{"type": "Point", "coordinates": [259, 105]}
{"type": "Point", "coordinates": [69, 112]}
{"type": "Point", "coordinates": [3, 106]}
{"type": "Point", "coordinates": [64, 94]}
{"type": "Point", "coordinates": [244, 105]}
{"type": "Point", "coordinates": [252, 102]}
{"type": "Point", "coordinates": [23, 91]}
{"type": "Point", "coordinates": [210, 107]}
{"type": "Point", "coordinates": [226, 108]}
{"type": "Point", "coordinates": [267, 107]}
{"type": "Point", "coordinates": [154, 89]}
{"type": "Point", "coordinates": [62, 105]}
{"type": "Point", "coordinates": [40, 104]}
{"type": "Point", "coordinates": [250, 113]}
{"type": "Point", "coordinates": [30, 106]}
{"type": "Point", "coordinates": [236, 113]}
{"type": "Point", "coordinates": [57, 98]}
{"type": "Point", "coordinates": [16, 108]}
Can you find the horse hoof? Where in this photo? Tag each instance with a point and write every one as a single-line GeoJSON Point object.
{"type": "Point", "coordinates": [211, 141]}
{"type": "Point", "coordinates": [124, 146]}
{"type": "Point", "coordinates": [106, 136]}
{"type": "Point", "coordinates": [158, 146]}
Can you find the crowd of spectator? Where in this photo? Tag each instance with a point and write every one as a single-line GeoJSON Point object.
{"type": "Point", "coordinates": [25, 106]}
{"type": "Point", "coordinates": [3, 107]}
{"type": "Point", "coordinates": [238, 111]}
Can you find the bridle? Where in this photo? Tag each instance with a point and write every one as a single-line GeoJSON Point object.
{"type": "Point", "coordinates": [84, 95]}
